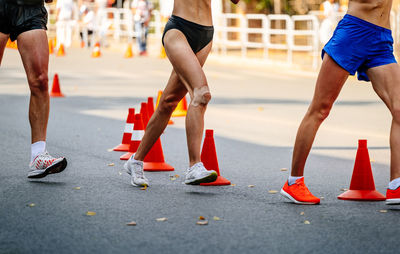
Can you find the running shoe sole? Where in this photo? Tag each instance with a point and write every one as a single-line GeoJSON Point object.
{"type": "Point", "coordinates": [393, 201]}
{"type": "Point", "coordinates": [53, 169]}
{"type": "Point", "coordinates": [207, 179]}
{"type": "Point", "coordinates": [287, 195]}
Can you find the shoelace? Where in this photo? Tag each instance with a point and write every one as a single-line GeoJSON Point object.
{"type": "Point", "coordinates": [303, 188]}
{"type": "Point", "coordinates": [139, 173]}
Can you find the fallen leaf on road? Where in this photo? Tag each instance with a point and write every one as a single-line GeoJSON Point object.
{"type": "Point", "coordinates": [161, 219]}
{"type": "Point", "coordinates": [216, 218]}
{"type": "Point", "coordinates": [144, 187]}
{"type": "Point", "coordinates": [344, 189]}
{"type": "Point", "coordinates": [111, 164]}
{"type": "Point", "coordinates": [251, 186]}
{"type": "Point", "coordinates": [89, 213]}
{"type": "Point", "coordinates": [322, 198]}
{"type": "Point", "coordinates": [177, 176]}
{"type": "Point", "coordinates": [202, 222]}
{"type": "Point", "coordinates": [302, 213]}
{"type": "Point", "coordinates": [307, 222]}
{"type": "Point", "coordinates": [132, 223]}
{"type": "Point", "coordinates": [233, 184]}
{"type": "Point", "coordinates": [201, 218]}
{"type": "Point", "coordinates": [272, 191]}
{"type": "Point", "coordinates": [119, 172]}
{"type": "Point", "coordinates": [383, 211]}
{"type": "Point", "coordinates": [77, 188]}
{"type": "Point", "coordinates": [172, 178]}
{"type": "Point", "coordinates": [284, 169]}
{"type": "Point", "coordinates": [110, 150]}
{"type": "Point", "coordinates": [31, 204]}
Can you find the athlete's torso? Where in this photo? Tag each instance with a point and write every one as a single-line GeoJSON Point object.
{"type": "Point", "coordinates": [197, 11]}
{"type": "Point", "coordinates": [373, 11]}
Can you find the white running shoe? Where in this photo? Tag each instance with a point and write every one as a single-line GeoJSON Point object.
{"type": "Point", "coordinates": [135, 169]}
{"type": "Point", "coordinates": [45, 164]}
{"type": "Point", "coordinates": [198, 174]}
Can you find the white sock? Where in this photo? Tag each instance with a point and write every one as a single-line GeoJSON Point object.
{"type": "Point", "coordinates": [394, 184]}
{"type": "Point", "coordinates": [37, 148]}
{"type": "Point", "coordinates": [292, 179]}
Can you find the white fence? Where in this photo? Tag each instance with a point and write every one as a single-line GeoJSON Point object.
{"type": "Point", "coordinates": [234, 32]}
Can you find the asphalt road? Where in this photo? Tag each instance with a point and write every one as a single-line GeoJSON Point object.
{"type": "Point", "coordinates": [88, 122]}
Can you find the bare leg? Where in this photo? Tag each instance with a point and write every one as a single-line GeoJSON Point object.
{"type": "Point", "coordinates": [177, 87]}
{"type": "Point", "coordinates": [3, 43]}
{"type": "Point", "coordinates": [34, 50]}
{"type": "Point", "coordinates": [385, 81]}
{"type": "Point", "coordinates": [330, 81]}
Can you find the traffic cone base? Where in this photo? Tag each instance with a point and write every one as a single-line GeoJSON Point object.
{"type": "Point", "coordinates": [157, 166]}
{"type": "Point", "coordinates": [362, 195]}
{"type": "Point", "coordinates": [121, 148]}
{"type": "Point", "coordinates": [126, 156]}
{"type": "Point", "coordinates": [220, 181]}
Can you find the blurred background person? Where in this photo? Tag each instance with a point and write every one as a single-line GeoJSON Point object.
{"type": "Point", "coordinates": [329, 11]}
{"type": "Point", "coordinates": [64, 21]}
{"type": "Point", "coordinates": [142, 14]}
{"type": "Point", "coordinates": [86, 25]}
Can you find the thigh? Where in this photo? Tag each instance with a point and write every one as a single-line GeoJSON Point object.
{"type": "Point", "coordinates": [3, 43]}
{"type": "Point", "coordinates": [187, 65]}
{"type": "Point", "coordinates": [386, 83]}
{"type": "Point", "coordinates": [34, 50]}
{"type": "Point", "coordinates": [330, 81]}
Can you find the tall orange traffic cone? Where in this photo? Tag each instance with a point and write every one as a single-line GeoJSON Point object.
{"type": "Point", "coordinates": [56, 90]}
{"type": "Point", "coordinates": [11, 44]}
{"type": "Point", "coordinates": [210, 160]}
{"type": "Point", "coordinates": [129, 52]}
{"type": "Point", "coordinates": [154, 160]}
{"type": "Point", "coordinates": [362, 186]}
{"type": "Point", "coordinates": [158, 101]}
{"type": "Point", "coordinates": [136, 138]}
{"type": "Point", "coordinates": [126, 137]}
{"type": "Point", "coordinates": [181, 109]}
{"type": "Point", "coordinates": [150, 106]}
{"type": "Point", "coordinates": [144, 113]}
{"type": "Point", "coordinates": [61, 51]}
{"type": "Point", "coordinates": [51, 47]}
{"type": "Point", "coordinates": [96, 50]}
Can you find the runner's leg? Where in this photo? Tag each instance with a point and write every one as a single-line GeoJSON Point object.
{"type": "Point", "coordinates": [3, 43]}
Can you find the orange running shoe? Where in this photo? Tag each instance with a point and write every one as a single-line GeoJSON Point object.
{"type": "Point", "coordinates": [299, 193]}
{"type": "Point", "coordinates": [393, 196]}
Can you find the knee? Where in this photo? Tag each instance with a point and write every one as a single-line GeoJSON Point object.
{"type": "Point", "coordinates": [395, 111]}
{"type": "Point", "coordinates": [39, 83]}
{"type": "Point", "coordinates": [201, 96]}
{"type": "Point", "coordinates": [320, 112]}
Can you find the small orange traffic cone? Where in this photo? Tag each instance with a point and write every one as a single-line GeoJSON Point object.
{"type": "Point", "coordinates": [163, 54]}
{"type": "Point", "coordinates": [136, 138]}
{"type": "Point", "coordinates": [181, 109]}
{"type": "Point", "coordinates": [11, 44]}
{"type": "Point", "coordinates": [51, 47]}
{"type": "Point", "coordinates": [150, 106]}
{"type": "Point", "coordinates": [362, 186]}
{"type": "Point", "coordinates": [210, 160]}
{"type": "Point", "coordinates": [61, 51]}
{"type": "Point", "coordinates": [56, 90]}
{"type": "Point", "coordinates": [158, 101]}
{"type": "Point", "coordinates": [144, 113]}
{"type": "Point", "coordinates": [126, 137]}
{"type": "Point", "coordinates": [129, 52]}
{"type": "Point", "coordinates": [96, 50]}
{"type": "Point", "coordinates": [154, 160]}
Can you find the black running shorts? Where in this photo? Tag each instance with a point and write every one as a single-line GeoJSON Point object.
{"type": "Point", "coordinates": [16, 19]}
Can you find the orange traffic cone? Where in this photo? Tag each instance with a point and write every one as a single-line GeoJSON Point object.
{"type": "Point", "coordinates": [150, 106]}
{"type": "Point", "coordinates": [210, 160]}
{"type": "Point", "coordinates": [126, 137]}
{"type": "Point", "coordinates": [137, 135]}
{"type": "Point", "coordinates": [55, 90]}
{"type": "Point", "coordinates": [362, 186]}
{"type": "Point", "coordinates": [96, 50]}
{"type": "Point", "coordinates": [163, 54]}
{"type": "Point", "coordinates": [154, 160]}
{"type": "Point", "coordinates": [61, 51]}
{"type": "Point", "coordinates": [181, 109]}
{"type": "Point", "coordinates": [129, 52]}
{"type": "Point", "coordinates": [11, 44]}
{"type": "Point", "coordinates": [144, 113]}
{"type": "Point", "coordinates": [158, 101]}
{"type": "Point", "coordinates": [51, 47]}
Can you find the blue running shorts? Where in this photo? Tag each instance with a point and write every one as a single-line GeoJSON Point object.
{"type": "Point", "coordinates": [357, 45]}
